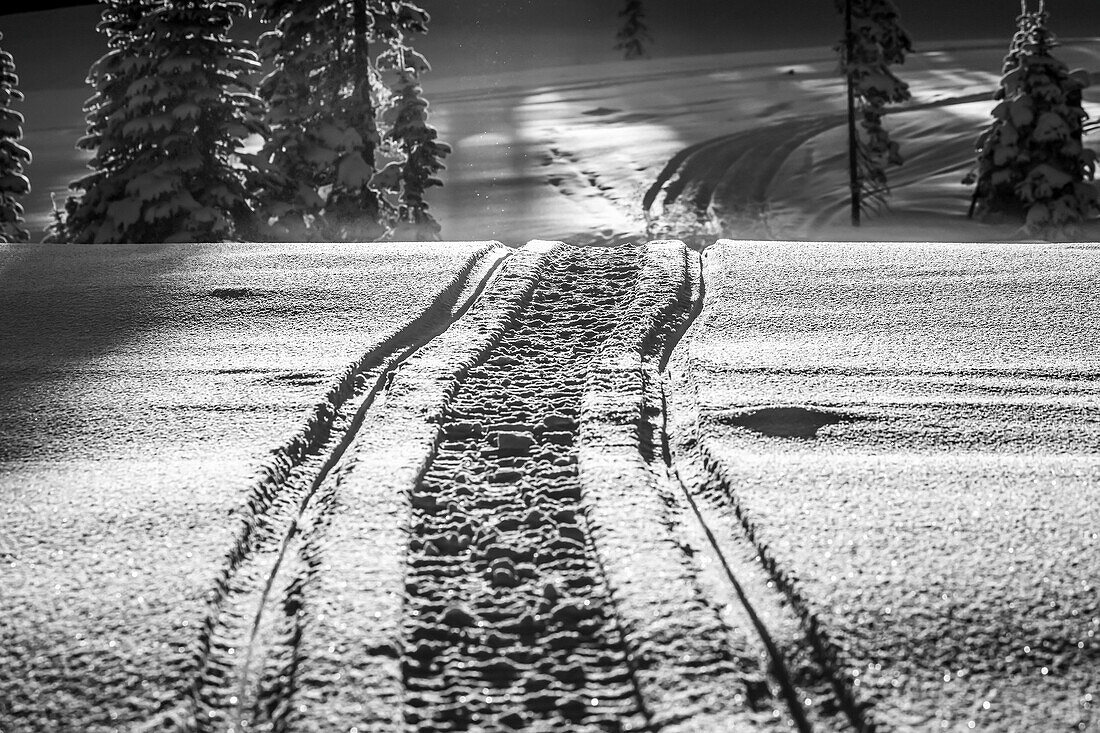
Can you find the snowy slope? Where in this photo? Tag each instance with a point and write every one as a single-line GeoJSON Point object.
{"type": "Point", "coordinates": [142, 388]}
{"type": "Point", "coordinates": [909, 434]}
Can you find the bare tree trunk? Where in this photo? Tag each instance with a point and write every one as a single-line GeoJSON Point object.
{"type": "Point", "coordinates": [359, 9]}
{"type": "Point", "coordinates": [361, 56]}
{"type": "Point", "coordinates": [853, 135]}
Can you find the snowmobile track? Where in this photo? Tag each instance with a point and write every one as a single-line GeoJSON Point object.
{"type": "Point", "coordinates": [483, 528]}
{"type": "Point", "coordinates": [248, 637]}
{"type": "Point", "coordinates": [732, 171]}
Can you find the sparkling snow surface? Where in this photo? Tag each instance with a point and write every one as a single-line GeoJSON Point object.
{"type": "Point", "coordinates": [141, 387]}
{"type": "Point", "coordinates": [911, 431]}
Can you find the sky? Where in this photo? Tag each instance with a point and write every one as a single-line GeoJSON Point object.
{"type": "Point", "coordinates": [53, 49]}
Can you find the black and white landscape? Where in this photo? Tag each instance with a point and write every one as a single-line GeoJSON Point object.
{"type": "Point", "coordinates": [647, 436]}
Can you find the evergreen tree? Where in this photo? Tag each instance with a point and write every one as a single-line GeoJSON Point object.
{"type": "Point", "coordinates": [873, 42]}
{"type": "Point", "coordinates": [633, 34]}
{"type": "Point", "coordinates": [110, 76]}
{"type": "Point", "coordinates": [168, 123]}
{"type": "Point", "coordinates": [1032, 163]}
{"type": "Point", "coordinates": [322, 95]}
{"type": "Point", "coordinates": [416, 142]}
{"type": "Point", "coordinates": [13, 156]}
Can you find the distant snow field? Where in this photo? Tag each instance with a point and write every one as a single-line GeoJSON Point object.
{"type": "Point", "coordinates": [569, 153]}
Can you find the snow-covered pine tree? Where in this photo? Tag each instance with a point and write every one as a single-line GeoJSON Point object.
{"type": "Point", "coordinates": [110, 77]}
{"type": "Point", "coordinates": [874, 41]}
{"type": "Point", "coordinates": [1024, 22]}
{"type": "Point", "coordinates": [168, 123]}
{"type": "Point", "coordinates": [421, 152]}
{"type": "Point", "coordinates": [633, 35]}
{"type": "Point", "coordinates": [1032, 163]}
{"type": "Point", "coordinates": [13, 156]}
{"type": "Point", "coordinates": [322, 95]}
{"type": "Point", "coordinates": [1011, 61]}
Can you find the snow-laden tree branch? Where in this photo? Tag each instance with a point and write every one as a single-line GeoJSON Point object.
{"type": "Point", "coordinates": [326, 99]}
{"type": "Point", "coordinates": [415, 140]}
{"type": "Point", "coordinates": [168, 123]}
{"type": "Point", "coordinates": [13, 156]}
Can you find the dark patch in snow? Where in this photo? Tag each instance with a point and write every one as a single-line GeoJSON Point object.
{"type": "Point", "coordinates": [785, 422]}
{"type": "Point", "coordinates": [299, 379]}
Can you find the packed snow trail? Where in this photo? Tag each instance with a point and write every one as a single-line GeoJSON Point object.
{"type": "Point", "coordinates": [731, 171]}
{"type": "Point", "coordinates": [490, 537]}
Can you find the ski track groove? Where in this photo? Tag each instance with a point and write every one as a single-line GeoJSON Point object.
{"type": "Point", "coordinates": [750, 177]}
{"type": "Point", "coordinates": [778, 661]}
{"type": "Point", "coordinates": [273, 516]}
{"type": "Point", "coordinates": [348, 671]}
{"type": "Point", "coordinates": [733, 171]}
{"type": "Point", "coordinates": [828, 654]}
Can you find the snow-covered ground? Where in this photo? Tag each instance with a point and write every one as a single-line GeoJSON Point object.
{"type": "Point", "coordinates": [864, 493]}
{"type": "Point", "coordinates": [905, 434]}
{"type": "Point", "coordinates": [142, 389]}
{"type": "Point", "coordinates": [910, 433]}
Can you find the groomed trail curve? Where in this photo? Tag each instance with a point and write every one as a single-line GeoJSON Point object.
{"type": "Point", "coordinates": [481, 529]}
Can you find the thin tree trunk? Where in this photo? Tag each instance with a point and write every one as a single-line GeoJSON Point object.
{"type": "Point", "coordinates": [361, 54]}
{"type": "Point", "coordinates": [853, 135]}
{"type": "Point", "coordinates": [359, 10]}
{"type": "Point", "coordinates": [361, 46]}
